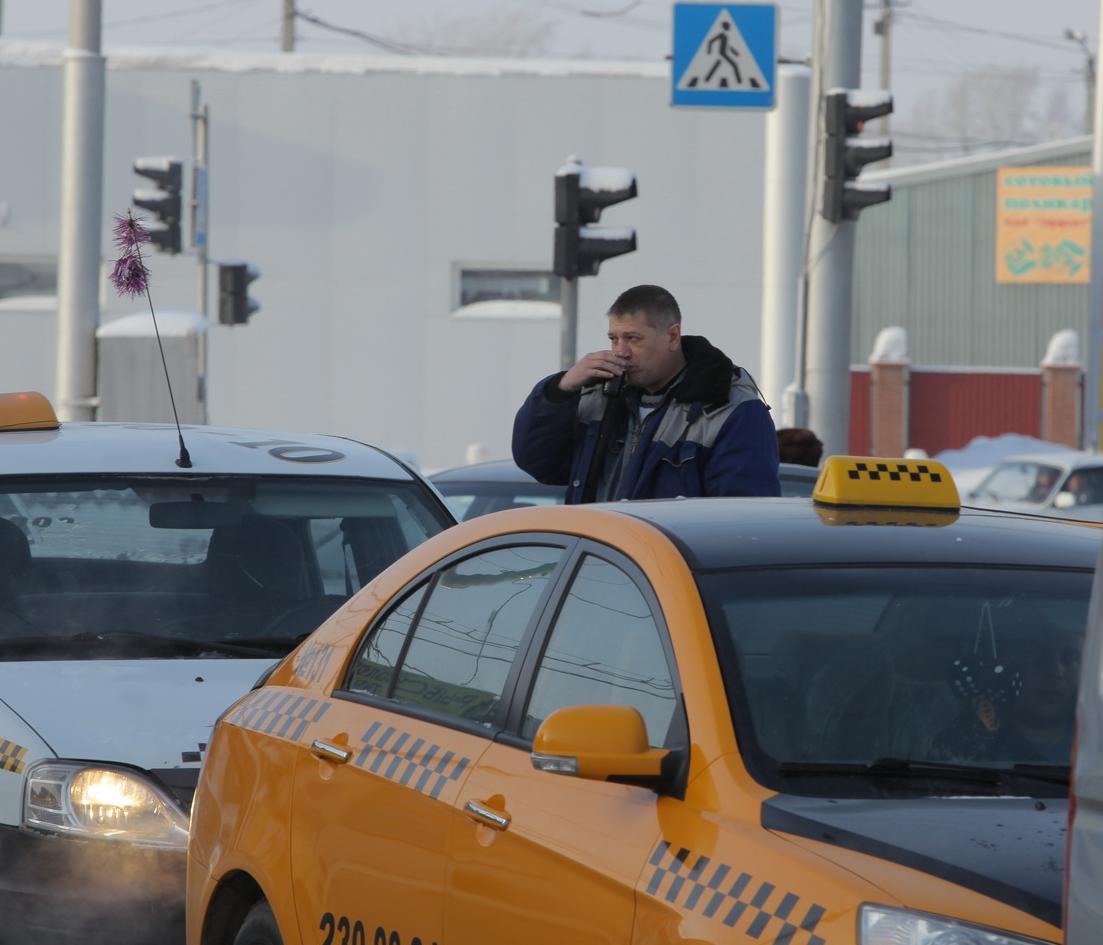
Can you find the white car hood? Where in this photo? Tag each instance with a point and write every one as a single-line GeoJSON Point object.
{"type": "Point", "coordinates": [152, 713]}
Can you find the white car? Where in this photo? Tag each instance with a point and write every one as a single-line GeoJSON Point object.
{"type": "Point", "coordinates": [1067, 484]}
{"type": "Point", "coordinates": [138, 599]}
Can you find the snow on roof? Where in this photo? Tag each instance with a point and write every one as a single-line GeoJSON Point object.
{"type": "Point", "coordinates": [140, 325]}
{"type": "Point", "coordinates": [29, 303]}
{"type": "Point", "coordinates": [155, 58]}
{"type": "Point", "coordinates": [1052, 152]}
{"type": "Point", "coordinates": [509, 308]}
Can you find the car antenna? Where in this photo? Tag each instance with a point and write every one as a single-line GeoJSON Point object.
{"type": "Point", "coordinates": [131, 277]}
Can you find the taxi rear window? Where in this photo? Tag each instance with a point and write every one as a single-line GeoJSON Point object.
{"type": "Point", "coordinates": [111, 566]}
{"type": "Point", "coordinates": [832, 670]}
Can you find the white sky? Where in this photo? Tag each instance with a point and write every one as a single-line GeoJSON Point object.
{"type": "Point", "coordinates": [933, 41]}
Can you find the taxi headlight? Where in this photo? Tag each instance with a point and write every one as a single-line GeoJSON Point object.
{"type": "Point", "coordinates": [879, 925]}
{"type": "Point", "coordinates": [102, 801]}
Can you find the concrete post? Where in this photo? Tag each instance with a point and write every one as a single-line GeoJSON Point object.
{"type": "Point", "coordinates": [783, 230]}
{"type": "Point", "coordinates": [1062, 383]}
{"type": "Point", "coordinates": [81, 214]}
{"type": "Point", "coordinates": [890, 403]}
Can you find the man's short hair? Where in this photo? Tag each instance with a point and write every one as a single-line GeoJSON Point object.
{"type": "Point", "coordinates": [798, 445]}
{"type": "Point", "coordinates": [657, 305]}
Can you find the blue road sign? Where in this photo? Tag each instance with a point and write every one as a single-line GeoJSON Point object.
{"type": "Point", "coordinates": [725, 55]}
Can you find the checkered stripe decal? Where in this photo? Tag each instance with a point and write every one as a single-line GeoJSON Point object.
{"type": "Point", "coordinates": [894, 472]}
{"type": "Point", "coordinates": [758, 908]}
{"type": "Point", "coordinates": [11, 756]}
{"type": "Point", "coordinates": [282, 714]}
{"type": "Point", "coordinates": [412, 762]}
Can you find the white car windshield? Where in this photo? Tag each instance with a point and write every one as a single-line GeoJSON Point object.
{"type": "Point", "coordinates": [114, 566]}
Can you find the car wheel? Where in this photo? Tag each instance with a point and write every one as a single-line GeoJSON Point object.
{"type": "Point", "coordinates": [259, 927]}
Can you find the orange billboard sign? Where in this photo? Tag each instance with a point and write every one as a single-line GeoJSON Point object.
{"type": "Point", "coordinates": [1043, 224]}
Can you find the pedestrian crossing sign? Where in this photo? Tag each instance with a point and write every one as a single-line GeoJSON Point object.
{"type": "Point", "coordinates": [725, 55]}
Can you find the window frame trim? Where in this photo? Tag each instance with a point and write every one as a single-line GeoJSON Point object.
{"type": "Point", "coordinates": [429, 576]}
{"type": "Point", "coordinates": [511, 732]}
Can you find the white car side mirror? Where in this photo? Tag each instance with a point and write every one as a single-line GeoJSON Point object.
{"type": "Point", "coordinates": [1064, 500]}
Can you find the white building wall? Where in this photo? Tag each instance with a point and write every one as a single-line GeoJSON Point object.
{"type": "Point", "coordinates": [360, 186]}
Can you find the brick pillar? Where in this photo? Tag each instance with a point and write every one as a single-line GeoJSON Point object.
{"type": "Point", "coordinates": [889, 403]}
{"type": "Point", "coordinates": [1061, 384]}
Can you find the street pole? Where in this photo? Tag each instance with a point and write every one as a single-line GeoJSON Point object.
{"type": "Point", "coordinates": [830, 262]}
{"type": "Point", "coordinates": [287, 37]}
{"type": "Point", "coordinates": [1092, 436]}
{"type": "Point", "coordinates": [568, 305]}
{"type": "Point", "coordinates": [199, 218]}
{"type": "Point", "coordinates": [78, 309]}
{"type": "Point", "coordinates": [885, 29]}
{"type": "Point", "coordinates": [783, 232]}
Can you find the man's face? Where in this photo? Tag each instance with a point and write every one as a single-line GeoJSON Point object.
{"type": "Point", "coordinates": [652, 355]}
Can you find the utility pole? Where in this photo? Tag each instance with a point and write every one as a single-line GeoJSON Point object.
{"type": "Point", "coordinates": [1078, 37]}
{"type": "Point", "coordinates": [78, 308]}
{"type": "Point", "coordinates": [830, 261]}
{"type": "Point", "coordinates": [883, 28]}
{"type": "Point", "coordinates": [1092, 436]}
{"type": "Point", "coordinates": [287, 37]}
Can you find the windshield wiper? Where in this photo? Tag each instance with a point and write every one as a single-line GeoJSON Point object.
{"type": "Point", "coordinates": [121, 639]}
{"type": "Point", "coordinates": [1057, 774]}
{"type": "Point", "coordinates": [893, 768]}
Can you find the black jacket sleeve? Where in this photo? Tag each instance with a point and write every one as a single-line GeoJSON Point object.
{"type": "Point", "coordinates": [544, 432]}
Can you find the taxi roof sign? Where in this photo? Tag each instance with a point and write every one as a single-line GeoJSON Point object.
{"type": "Point", "coordinates": [27, 410]}
{"type": "Point", "coordinates": [877, 481]}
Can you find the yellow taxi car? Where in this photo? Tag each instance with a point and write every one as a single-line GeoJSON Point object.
{"type": "Point", "coordinates": [799, 722]}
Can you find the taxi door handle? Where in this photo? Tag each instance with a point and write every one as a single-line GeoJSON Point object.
{"type": "Point", "coordinates": [329, 752]}
{"type": "Point", "coordinates": [487, 816]}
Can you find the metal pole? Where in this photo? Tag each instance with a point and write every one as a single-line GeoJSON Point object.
{"type": "Point", "coordinates": [199, 207]}
{"type": "Point", "coordinates": [783, 230]}
{"type": "Point", "coordinates": [886, 57]}
{"type": "Point", "coordinates": [287, 37]}
{"type": "Point", "coordinates": [81, 213]}
{"type": "Point", "coordinates": [1093, 395]}
{"type": "Point", "coordinates": [830, 262]}
{"type": "Point", "coordinates": [1090, 109]}
{"type": "Point", "coordinates": [568, 305]}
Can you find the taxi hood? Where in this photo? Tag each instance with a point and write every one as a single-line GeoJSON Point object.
{"type": "Point", "coordinates": [152, 714]}
{"type": "Point", "coordinates": [1009, 848]}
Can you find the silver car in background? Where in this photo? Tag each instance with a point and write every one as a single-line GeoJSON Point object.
{"type": "Point", "coordinates": [493, 486]}
{"type": "Point", "coordinates": [1066, 485]}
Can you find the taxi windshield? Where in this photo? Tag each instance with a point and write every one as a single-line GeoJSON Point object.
{"type": "Point", "coordinates": [117, 567]}
{"type": "Point", "coordinates": [841, 675]}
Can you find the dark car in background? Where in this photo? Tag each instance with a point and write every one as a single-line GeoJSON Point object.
{"type": "Point", "coordinates": [493, 486]}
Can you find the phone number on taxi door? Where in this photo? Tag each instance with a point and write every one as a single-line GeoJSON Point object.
{"type": "Point", "coordinates": [340, 930]}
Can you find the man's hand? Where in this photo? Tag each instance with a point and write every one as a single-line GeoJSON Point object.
{"type": "Point", "coordinates": [594, 367]}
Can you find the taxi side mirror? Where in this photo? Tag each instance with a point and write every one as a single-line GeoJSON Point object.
{"type": "Point", "coordinates": [598, 743]}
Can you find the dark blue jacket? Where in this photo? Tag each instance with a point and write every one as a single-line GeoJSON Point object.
{"type": "Point", "coordinates": [712, 435]}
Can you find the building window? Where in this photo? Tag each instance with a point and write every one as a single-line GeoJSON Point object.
{"type": "Point", "coordinates": [507, 293]}
{"type": "Point", "coordinates": [27, 275]}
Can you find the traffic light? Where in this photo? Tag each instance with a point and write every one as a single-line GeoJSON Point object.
{"type": "Point", "coordinates": [234, 304]}
{"type": "Point", "coordinates": [581, 193]}
{"type": "Point", "coordinates": [845, 113]}
{"type": "Point", "coordinates": [164, 202]}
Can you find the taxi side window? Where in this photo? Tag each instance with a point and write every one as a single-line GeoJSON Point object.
{"type": "Point", "coordinates": [605, 648]}
{"type": "Point", "coordinates": [467, 636]}
{"type": "Point", "coordinates": [373, 669]}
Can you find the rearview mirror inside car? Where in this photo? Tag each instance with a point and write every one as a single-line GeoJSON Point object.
{"type": "Point", "coordinates": [198, 515]}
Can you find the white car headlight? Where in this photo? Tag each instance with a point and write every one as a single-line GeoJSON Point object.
{"type": "Point", "coordinates": [879, 925]}
{"type": "Point", "coordinates": [104, 801]}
